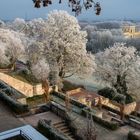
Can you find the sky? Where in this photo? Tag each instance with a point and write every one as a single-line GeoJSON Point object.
{"type": "Point", "coordinates": [111, 10]}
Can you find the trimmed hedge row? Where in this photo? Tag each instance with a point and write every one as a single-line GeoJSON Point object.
{"type": "Point", "coordinates": [49, 132]}
{"type": "Point", "coordinates": [14, 105]}
{"type": "Point", "coordinates": [110, 109]}
{"type": "Point", "coordinates": [105, 123]}
{"type": "Point", "coordinates": [132, 136]}
{"type": "Point", "coordinates": [60, 95]}
{"type": "Point", "coordinates": [74, 102]}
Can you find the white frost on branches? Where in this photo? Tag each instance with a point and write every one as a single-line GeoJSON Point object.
{"type": "Point", "coordinates": [34, 52]}
{"type": "Point", "coordinates": [119, 66]}
{"type": "Point", "coordinates": [66, 45]}
{"type": "Point", "coordinates": [11, 45]}
{"type": "Point", "coordinates": [41, 70]}
{"type": "Point", "coordinates": [3, 59]}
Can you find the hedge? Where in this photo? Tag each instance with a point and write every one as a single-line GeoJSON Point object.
{"type": "Point", "coordinates": [105, 123]}
{"type": "Point", "coordinates": [110, 109]}
{"type": "Point", "coordinates": [132, 136]}
{"type": "Point", "coordinates": [14, 105]}
{"type": "Point", "coordinates": [109, 93]}
{"type": "Point", "coordinates": [60, 95]}
{"type": "Point", "coordinates": [35, 97]}
{"type": "Point", "coordinates": [78, 104]}
{"type": "Point", "coordinates": [74, 102]}
{"type": "Point", "coordinates": [49, 132]}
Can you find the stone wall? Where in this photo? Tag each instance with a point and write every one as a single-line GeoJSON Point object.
{"type": "Point", "coordinates": [128, 108]}
{"type": "Point", "coordinates": [25, 88]}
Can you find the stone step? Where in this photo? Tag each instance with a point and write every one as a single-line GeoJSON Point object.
{"type": "Point", "coordinates": [59, 125]}
{"type": "Point", "coordinates": [63, 128]}
{"type": "Point", "coordinates": [66, 130]}
{"type": "Point", "coordinates": [69, 133]}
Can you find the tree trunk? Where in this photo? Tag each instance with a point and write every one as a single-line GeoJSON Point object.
{"type": "Point", "coordinates": [121, 85]}
{"type": "Point", "coordinates": [13, 66]}
{"type": "Point", "coordinates": [100, 103]}
{"type": "Point", "coordinates": [122, 112]}
{"type": "Point", "coordinates": [45, 87]}
{"type": "Point", "coordinates": [60, 84]}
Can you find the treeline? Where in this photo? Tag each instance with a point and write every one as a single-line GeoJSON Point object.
{"type": "Point", "coordinates": [104, 34]}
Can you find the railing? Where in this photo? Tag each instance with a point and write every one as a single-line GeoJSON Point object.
{"type": "Point", "coordinates": [14, 134]}
{"type": "Point", "coordinates": [9, 134]}
{"type": "Point", "coordinates": [24, 135]}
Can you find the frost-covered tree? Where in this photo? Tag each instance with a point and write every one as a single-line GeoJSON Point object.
{"type": "Point", "coordinates": [100, 40]}
{"type": "Point", "coordinates": [134, 42]}
{"type": "Point", "coordinates": [34, 29]}
{"type": "Point", "coordinates": [12, 45]}
{"type": "Point", "coordinates": [41, 71]}
{"type": "Point", "coordinates": [119, 66]}
{"type": "Point", "coordinates": [2, 24]}
{"type": "Point", "coordinates": [3, 59]}
{"type": "Point", "coordinates": [66, 45]}
{"type": "Point", "coordinates": [108, 25]}
{"type": "Point", "coordinates": [34, 52]}
{"type": "Point", "coordinates": [18, 24]}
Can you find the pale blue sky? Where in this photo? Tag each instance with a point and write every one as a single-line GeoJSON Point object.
{"type": "Point", "coordinates": [111, 9]}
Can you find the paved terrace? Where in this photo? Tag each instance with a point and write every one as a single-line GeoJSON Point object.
{"type": "Point", "coordinates": [7, 119]}
{"type": "Point", "coordinates": [33, 119]}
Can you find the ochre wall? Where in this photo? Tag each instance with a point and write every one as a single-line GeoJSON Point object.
{"type": "Point", "coordinates": [25, 88]}
{"type": "Point", "coordinates": [128, 108]}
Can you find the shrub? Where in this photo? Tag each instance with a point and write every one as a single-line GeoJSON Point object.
{"type": "Point", "coordinates": [74, 102]}
{"type": "Point", "coordinates": [62, 96]}
{"type": "Point", "coordinates": [112, 95]}
{"type": "Point", "coordinates": [107, 92]}
{"type": "Point", "coordinates": [78, 104]}
{"type": "Point", "coordinates": [14, 105]}
{"type": "Point", "coordinates": [129, 99]}
{"type": "Point", "coordinates": [132, 136]}
{"type": "Point", "coordinates": [119, 98]}
{"type": "Point", "coordinates": [35, 97]}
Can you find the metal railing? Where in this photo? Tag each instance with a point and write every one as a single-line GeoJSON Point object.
{"type": "Point", "coordinates": [14, 134]}
{"type": "Point", "coordinates": [24, 135]}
